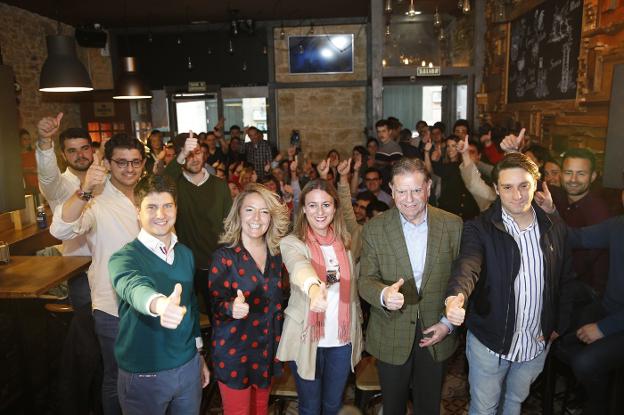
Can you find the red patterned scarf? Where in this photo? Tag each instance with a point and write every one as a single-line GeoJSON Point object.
{"type": "Point", "coordinates": [317, 320]}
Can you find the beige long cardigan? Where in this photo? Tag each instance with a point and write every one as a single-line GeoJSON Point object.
{"type": "Point", "coordinates": [295, 343]}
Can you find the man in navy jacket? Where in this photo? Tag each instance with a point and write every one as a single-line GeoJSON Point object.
{"type": "Point", "coordinates": [513, 268]}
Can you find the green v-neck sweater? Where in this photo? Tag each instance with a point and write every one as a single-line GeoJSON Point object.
{"type": "Point", "coordinates": [143, 345]}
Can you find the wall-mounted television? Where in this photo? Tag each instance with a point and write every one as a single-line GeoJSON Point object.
{"type": "Point", "coordinates": [320, 54]}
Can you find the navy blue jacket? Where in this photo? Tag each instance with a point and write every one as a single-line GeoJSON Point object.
{"type": "Point", "coordinates": [487, 265]}
{"type": "Point", "coordinates": [607, 235]}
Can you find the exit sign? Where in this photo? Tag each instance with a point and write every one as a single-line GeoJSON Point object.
{"type": "Point", "coordinates": [428, 71]}
{"type": "Point", "coordinates": [199, 86]}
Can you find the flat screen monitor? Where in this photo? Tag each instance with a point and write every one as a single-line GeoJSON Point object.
{"type": "Point", "coordinates": [320, 54]}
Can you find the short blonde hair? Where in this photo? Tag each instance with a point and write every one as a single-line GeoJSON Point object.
{"type": "Point", "coordinates": [278, 227]}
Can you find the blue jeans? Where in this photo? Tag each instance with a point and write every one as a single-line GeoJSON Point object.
{"type": "Point", "coordinates": [173, 392]}
{"type": "Point", "coordinates": [489, 376]}
{"type": "Point", "coordinates": [324, 393]}
{"type": "Point", "coordinates": [107, 328]}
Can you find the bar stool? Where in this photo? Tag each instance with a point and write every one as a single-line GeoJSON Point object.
{"type": "Point", "coordinates": [283, 390]}
{"type": "Point", "coordinates": [367, 387]}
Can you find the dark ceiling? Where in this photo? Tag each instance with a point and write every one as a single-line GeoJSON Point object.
{"type": "Point", "coordinates": [132, 13]}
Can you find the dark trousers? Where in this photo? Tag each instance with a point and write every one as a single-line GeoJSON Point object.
{"type": "Point", "coordinates": [107, 328]}
{"type": "Point", "coordinates": [420, 373]}
{"type": "Point", "coordinates": [593, 363]}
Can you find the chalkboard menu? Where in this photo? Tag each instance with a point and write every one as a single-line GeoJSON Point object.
{"type": "Point", "coordinates": [543, 52]}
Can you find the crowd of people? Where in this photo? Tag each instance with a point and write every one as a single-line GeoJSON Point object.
{"type": "Point", "coordinates": [422, 231]}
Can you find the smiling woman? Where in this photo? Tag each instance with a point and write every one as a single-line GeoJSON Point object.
{"type": "Point", "coordinates": [245, 285]}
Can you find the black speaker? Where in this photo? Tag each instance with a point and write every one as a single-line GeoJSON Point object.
{"type": "Point", "coordinates": [90, 37]}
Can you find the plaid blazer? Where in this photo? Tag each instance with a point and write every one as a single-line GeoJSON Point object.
{"type": "Point", "coordinates": [384, 260]}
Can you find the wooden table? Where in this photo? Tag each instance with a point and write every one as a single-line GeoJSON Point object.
{"type": "Point", "coordinates": [32, 276]}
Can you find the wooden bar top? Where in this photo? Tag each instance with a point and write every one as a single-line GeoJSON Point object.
{"type": "Point", "coordinates": [32, 276]}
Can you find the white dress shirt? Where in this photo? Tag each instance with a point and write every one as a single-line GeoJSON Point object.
{"type": "Point", "coordinates": [57, 188]}
{"type": "Point", "coordinates": [109, 221]}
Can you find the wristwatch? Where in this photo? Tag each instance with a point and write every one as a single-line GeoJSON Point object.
{"type": "Point", "coordinates": [82, 195]}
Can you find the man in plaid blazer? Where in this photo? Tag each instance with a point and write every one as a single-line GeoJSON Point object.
{"type": "Point", "coordinates": [407, 253]}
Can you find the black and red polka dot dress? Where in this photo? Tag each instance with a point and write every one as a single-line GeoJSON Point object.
{"type": "Point", "coordinates": [243, 351]}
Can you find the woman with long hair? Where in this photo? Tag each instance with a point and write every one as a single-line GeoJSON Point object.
{"type": "Point", "coordinates": [245, 285]}
{"type": "Point", "coordinates": [322, 336]}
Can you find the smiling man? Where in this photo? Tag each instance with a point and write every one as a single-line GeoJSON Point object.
{"type": "Point", "coordinates": [406, 260]}
{"type": "Point", "coordinates": [579, 206]}
{"type": "Point", "coordinates": [160, 368]}
{"type": "Point", "coordinates": [204, 201]}
{"type": "Point", "coordinates": [108, 220]}
{"type": "Point", "coordinates": [514, 265]}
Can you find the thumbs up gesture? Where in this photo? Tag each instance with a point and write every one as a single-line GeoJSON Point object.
{"type": "Point", "coordinates": [455, 311]}
{"type": "Point", "coordinates": [48, 126]}
{"type": "Point", "coordinates": [512, 143]}
{"type": "Point", "coordinates": [190, 144]}
{"type": "Point", "coordinates": [544, 199]}
{"type": "Point", "coordinates": [169, 310]}
{"type": "Point", "coordinates": [318, 298]}
{"type": "Point", "coordinates": [96, 175]}
{"type": "Point", "coordinates": [240, 309]}
{"type": "Point", "coordinates": [393, 299]}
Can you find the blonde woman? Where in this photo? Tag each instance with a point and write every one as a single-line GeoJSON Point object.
{"type": "Point", "coordinates": [245, 284]}
{"type": "Point", "coordinates": [322, 336]}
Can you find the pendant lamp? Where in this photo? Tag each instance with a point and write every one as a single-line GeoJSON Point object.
{"type": "Point", "coordinates": [130, 85]}
{"type": "Point", "coordinates": [62, 71]}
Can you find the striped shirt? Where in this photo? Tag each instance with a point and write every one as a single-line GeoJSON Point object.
{"type": "Point", "coordinates": [527, 342]}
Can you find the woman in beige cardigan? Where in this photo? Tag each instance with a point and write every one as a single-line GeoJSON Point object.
{"type": "Point", "coordinates": [322, 334]}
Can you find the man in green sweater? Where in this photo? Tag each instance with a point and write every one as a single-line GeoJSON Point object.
{"type": "Point", "coordinates": [203, 202]}
{"type": "Point", "coordinates": [157, 349]}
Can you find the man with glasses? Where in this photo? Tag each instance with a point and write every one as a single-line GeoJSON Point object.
{"type": "Point", "coordinates": [406, 261]}
{"type": "Point", "coordinates": [373, 182]}
{"type": "Point", "coordinates": [103, 210]}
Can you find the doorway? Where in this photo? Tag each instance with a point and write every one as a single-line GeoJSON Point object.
{"type": "Point", "coordinates": [431, 100]}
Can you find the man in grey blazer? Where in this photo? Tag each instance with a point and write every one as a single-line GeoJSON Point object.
{"type": "Point", "coordinates": [406, 260]}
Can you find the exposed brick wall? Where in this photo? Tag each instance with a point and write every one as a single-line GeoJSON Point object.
{"type": "Point", "coordinates": [23, 44]}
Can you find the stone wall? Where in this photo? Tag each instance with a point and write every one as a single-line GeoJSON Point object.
{"type": "Point", "coordinates": [326, 116]}
{"type": "Point", "coordinates": [23, 43]}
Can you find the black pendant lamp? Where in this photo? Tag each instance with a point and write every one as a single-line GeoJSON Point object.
{"type": "Point", "coordinates": [130, 85]}
{"type": "Point", "coordinates": [62, 71]}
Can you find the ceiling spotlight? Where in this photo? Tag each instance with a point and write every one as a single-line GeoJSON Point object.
{"type": "Point", "coordinates": [442, 35]}
{"type": "Point", "coordinates": [189, 63]}
{"type": "Point", "coordinates": [230, 47]}
{"type": "Point", "coordinates": [234, 28]}
{"type": "Point", "coordinates": [265, 50]}
{"type": "Point", "coordinates": [411, 12]}
{"type": "Point", "coordinates": [388, 33]}
{"type": "Point", "coordinates": [179, 40]}
{"type": "Point", "coordinates": [150, 38]}
{"type": "Point", "coordinates": [282, 32]}
{"type": "Point", "coordinates": [210, 51]}
{"type": "Point", "coordinates": [437, 21]}
{"type": "Point", "coordinates": [244, 66]}
{"type": "Point", "coordinates": [388, 6]}
{"type": "Point", "coordinates": [466, 7]}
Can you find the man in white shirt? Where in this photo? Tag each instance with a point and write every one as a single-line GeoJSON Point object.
{"type": "Point", "coordinates": [109, 221]}
{"type": "Point", "coordinates": [75, 144]}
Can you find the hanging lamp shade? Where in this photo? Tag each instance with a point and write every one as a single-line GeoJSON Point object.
{"type": "Point", "coordinates": [130, 85]}
{"type": "Point", "coordinates": [62, 71]}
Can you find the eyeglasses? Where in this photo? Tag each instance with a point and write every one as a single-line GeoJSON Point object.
{"type": "Point", "coordinates": [136, 163]}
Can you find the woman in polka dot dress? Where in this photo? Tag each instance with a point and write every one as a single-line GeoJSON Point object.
{"type": "Point", "coordinates": [245, 285]}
